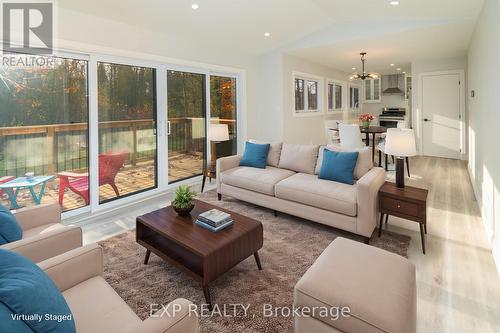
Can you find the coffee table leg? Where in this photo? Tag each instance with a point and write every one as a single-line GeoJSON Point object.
{"type": "Point", "coordinates": [257, 260]}
{"type": "Point", "coordinates": [422, 237]}
{"type": "Point", "coordinates": [206, 292]}
{"type": "Point", "coordinates": [380, 224]}
{"type": "Point", "coordinates": [146, 259]}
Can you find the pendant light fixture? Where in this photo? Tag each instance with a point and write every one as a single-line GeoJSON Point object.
{"type": "Point", "coordinates": [363, 75]}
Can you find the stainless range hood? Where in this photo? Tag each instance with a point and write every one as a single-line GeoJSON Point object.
{"type": "Point", "coordinates": [392, 84]}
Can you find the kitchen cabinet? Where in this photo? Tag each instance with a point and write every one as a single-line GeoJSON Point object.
{"type": "Point", "coordinates": [372, 90]}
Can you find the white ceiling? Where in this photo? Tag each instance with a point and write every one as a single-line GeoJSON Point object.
{"type": "Point", "coordinates": [330, 32]}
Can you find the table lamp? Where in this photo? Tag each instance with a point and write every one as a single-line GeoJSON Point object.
{"type": "Point", "coordinates": [400, 142]}
{"type": "Point", "coordinates": [216, 134]}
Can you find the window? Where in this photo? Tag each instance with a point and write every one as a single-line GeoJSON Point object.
{"type": "Point", "coordinates": [335, 96]}
{"type": "Point", "coordinates": [223, 111]}
{"type": "Point", "coordinates": [307, 94]}
{"type": "Point", "coordinates": [186, 124]}
{"type": "Point", "coordinates": [44, 126]}
{"type": "Point", "coordinates": [127, 130]}
{"type": "Point", "coordinates": [354, 97]}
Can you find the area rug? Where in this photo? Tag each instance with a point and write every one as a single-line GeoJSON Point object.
{"type": "Point", "coordinates": [290, 247]}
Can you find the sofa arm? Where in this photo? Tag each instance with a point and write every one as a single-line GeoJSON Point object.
{"type": "Point", "coordinates": [32, 217]}
{"type": "Point", "coordinates": [73, 267]}
{"type": "Point", "coordinates": [177, 318]}
{"type": "Point", "coordinates": [49, 244]}
{"type": "Point", "coordinates": [368, 187]}
{"type": "Point", "coordinates": [226, 163]}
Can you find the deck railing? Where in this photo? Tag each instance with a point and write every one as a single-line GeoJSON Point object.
{"type": "Point", "coordinates": [48, 149]}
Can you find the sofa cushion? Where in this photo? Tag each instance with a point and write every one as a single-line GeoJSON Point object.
{"type": "Point", "coordinates": [42, 229]}
{"type": "Point", "coordinates": [377, 286]}
{"type": "Point", "coordinates": [273, 157]}
{"type": "Point", "coordinates": [26, 290]}
{"type": "Point", "coordinates": [10, 230]}
{"type": "Point", "coordinates": [253, 179]}
{"type": "Point", "coordinates": [299, 158]}
{"type": "Point", "coordinates": [338, 166]}
{"type": "Point", "coordinates": [94, 298]}
{"type": "Point", "coordinates": [363, 165]}
{"type": "Point", "coordinates": [255, 155]}
{"type": "Point", "coordinates": [310, 190]}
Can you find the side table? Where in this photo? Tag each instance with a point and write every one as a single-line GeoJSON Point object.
{"type": "Point", "coordinates": [210, 172]}
{"type": "Point", "coordinates": [409, 203]}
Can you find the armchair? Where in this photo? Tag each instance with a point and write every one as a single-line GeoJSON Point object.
{"type": "Point", "coordinates": [43, 234]}
{"type": "Point", "coordinates": [96, 307]}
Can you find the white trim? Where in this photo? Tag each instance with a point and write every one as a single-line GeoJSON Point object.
{"type": "Point", "coordinates": [343, 84]}
{"type": "Point", "coordinates": [93, 148]}
{"type": "Point", "coordinates": [360, 92]}
{"type": "Point", "coordinates": [320, 90]}
{"type": "Point", "coordinates": [419, 120]}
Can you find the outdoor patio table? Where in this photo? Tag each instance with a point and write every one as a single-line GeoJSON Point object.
{"type": "Point", "coordinates": [13, 187]}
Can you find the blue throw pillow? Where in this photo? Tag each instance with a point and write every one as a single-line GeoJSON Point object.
{"type": "Point", "coordinates": [10, 230]}
{"type": "Point", "coordinates": [31, 297]}
{"type": "Point", "coordinates": [255, 155]}
{"type": "Point", "coordinates": [338, 166]}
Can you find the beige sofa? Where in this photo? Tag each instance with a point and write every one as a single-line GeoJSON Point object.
{"type": "Point", "coordinates": [290, 184]}
{"type": "Point", "coordinates": [97, 308]}
{"type": "Point", "coordinates": [43, 234]}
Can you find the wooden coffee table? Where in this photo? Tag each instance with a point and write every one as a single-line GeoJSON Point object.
{"type": "Point", "coordinates": [195, 250]}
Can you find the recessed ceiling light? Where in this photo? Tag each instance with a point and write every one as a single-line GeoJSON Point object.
{"type": "Point", "coordinates": [394, 3]}
{"type": "Point", "coordinates": [392, 65]}
{"type": "Point", "coordinates": [354, 68]}
{"type": "Point", "coordinates": [404, 72]}
{"type": "Point", "coordinates": [195, 6]}
{"type": "Point", "coordinates": [267, 34]}
{"type": "Point", "coordinates": [398, 69]}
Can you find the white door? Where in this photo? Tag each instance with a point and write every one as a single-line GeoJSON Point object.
{"type": "Point", "coordinates": [441, 117]}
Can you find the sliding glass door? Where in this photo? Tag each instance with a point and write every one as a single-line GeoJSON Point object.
{"type": "Point", "coordinates": [223, 110]}
{"type": "Point", "coordinates": [186, 124]}
{"type": "Point", "coordinates": [127, 130]}
{"type": "Point", "coordinates": [43, 130]}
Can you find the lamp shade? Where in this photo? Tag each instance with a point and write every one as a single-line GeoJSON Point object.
{"type": "Point", "coordinates": [400, 142]}
{"type": "Point", "coordinates": [218, 132]}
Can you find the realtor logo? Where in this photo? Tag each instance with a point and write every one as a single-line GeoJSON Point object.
{"type": "Point", "coordinates": [35, 23]}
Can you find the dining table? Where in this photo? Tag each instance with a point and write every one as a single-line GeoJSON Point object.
{"type": "Point", "coordinates": [373, 130]}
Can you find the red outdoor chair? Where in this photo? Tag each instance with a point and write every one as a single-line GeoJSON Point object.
{"type": "Point", "coordinates": [109, 165]}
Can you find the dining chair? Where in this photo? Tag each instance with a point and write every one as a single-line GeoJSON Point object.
{"type": "Point", "coordinates": [350, 136]}
{"type": "Point", "coordinates": [331, 131]}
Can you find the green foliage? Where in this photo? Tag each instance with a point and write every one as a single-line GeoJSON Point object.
{"type": "Point", "coordinates": [183, 197]}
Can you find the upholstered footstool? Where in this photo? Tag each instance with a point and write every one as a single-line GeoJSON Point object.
{"type": "Point", "coordinates": [366, 289]}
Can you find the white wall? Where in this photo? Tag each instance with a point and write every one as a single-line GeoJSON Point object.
{"type": "Point", "coordinates": [484, 156]}
{"type": "Point", "coordinates": [436, 65]}
{"type": "Point", "coordinates": [309, 129]}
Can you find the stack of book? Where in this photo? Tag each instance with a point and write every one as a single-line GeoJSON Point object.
{"type": "Point", "coordinates": [214, 220]}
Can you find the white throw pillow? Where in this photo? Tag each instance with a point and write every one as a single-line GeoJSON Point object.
{"type": "Point", "coordinates": [299, 158]}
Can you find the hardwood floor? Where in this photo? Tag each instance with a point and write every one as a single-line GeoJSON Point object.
{"type": "Point", "coordinates": [458, 286]}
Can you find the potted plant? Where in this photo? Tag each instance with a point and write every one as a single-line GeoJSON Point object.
{"type": "Point", "coordinates": [183, 202]}
{"type": "Point", "coordinates": [366, 119]}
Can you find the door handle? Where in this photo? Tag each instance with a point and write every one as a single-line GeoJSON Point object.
{"type": "Point", "coordinates": [425, 119]}
{"type": "Point", "coordinates": [168, 127]}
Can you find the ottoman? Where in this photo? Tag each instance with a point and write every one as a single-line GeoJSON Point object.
{"type": "Point", "coordinates": [376, 288]}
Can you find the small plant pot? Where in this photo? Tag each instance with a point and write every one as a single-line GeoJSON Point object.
{"type": "Point", "coordinates": [365, 124]}
{"type": "Point", "coordinates": [183, 211]}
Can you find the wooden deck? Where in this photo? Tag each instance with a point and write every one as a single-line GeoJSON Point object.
{"type": "Point", "coordinates": [130, 179]}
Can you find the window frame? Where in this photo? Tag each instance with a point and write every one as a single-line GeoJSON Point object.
{"type": "Point", "coordinates": [335, 83]}
{"type": "Point", "coordinates": [308, 78]}
{"type": "Point", "coordinates": [360, 91]}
